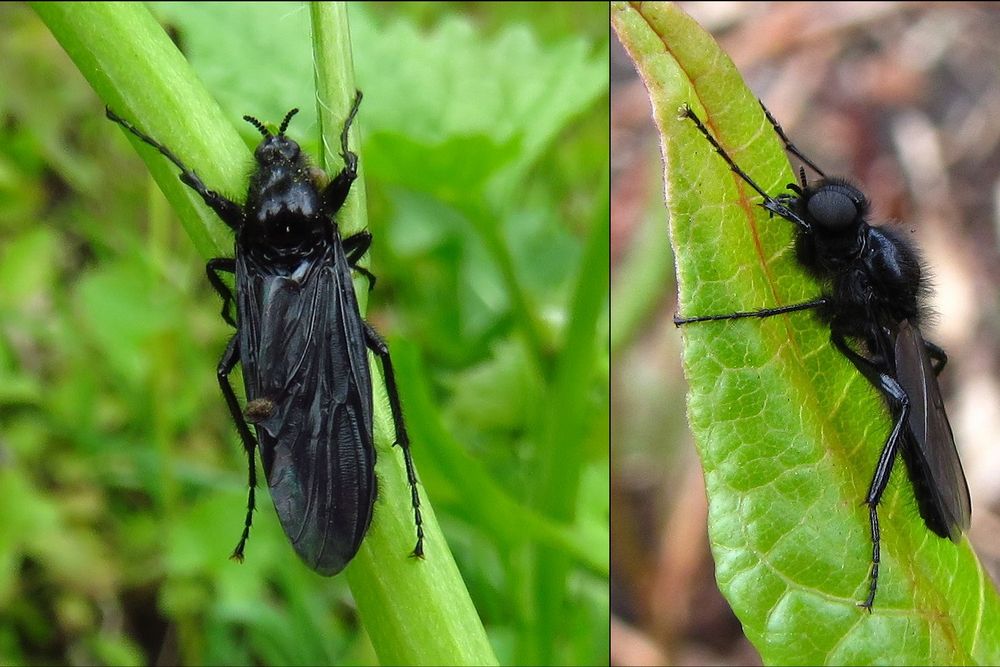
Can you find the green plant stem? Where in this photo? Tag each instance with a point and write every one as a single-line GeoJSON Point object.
{"type": "Point", "coordinates": [134, 67]}
{"type": "Point", "coordinates": [416, 611]}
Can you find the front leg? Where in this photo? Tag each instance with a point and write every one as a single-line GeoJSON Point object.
{"type": "Point", "coordinates": [229, 211]}
{"type": "Point", "coordinates": [336, 191]}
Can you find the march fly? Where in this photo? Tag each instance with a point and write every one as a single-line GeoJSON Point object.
{"type": "Point", "coordinates": [303, 347]}
{"type": "Point", "coordinates": [873, 303]}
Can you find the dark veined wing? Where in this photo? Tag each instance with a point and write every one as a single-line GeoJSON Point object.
{"type": "Point", "coordinates": [929, 450]}
{"type": "Point", "coordinates": [302, 347]}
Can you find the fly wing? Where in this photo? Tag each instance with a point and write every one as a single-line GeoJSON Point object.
{"type": "Point", "coordinates": [929, 451]}
{"type": "Point", "coordinates": [303, 349]}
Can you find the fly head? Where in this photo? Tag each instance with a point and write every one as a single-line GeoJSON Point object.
{"type": "Point", "coordinates": [835, 211]}
{"type": "Point", "coordinates": [284, 207]}
{"type": "Point", "coordinates": [834, 206]}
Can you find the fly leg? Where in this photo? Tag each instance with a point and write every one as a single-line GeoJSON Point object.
{"type": "Point", "coordinates": [355, 248]}
{"type": "Point", "coordinates": [226, 365]}
{"type": "Point", "coordinates": [764, 312]}
{"type": "Point", "coordinates": [779, 206]}
{"type": "Point", "coordinates": [381, 350]}
{"type": "Point", "coordinates": [229, 211]}
{"type": "Point", "coordinates": [789, 146]}
{"type": "Point", "coordinates": [336, 191]}
{"type": "Point", "coordinates": [899, 402]}
{"type": "Point", "coordinates": [214, 268]}
{"type": "Point", "coordinates": [937, 355]}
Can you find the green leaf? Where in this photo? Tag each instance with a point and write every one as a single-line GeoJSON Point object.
{"type": "Point", "coordinates": [529, 95]}
{"type": "Point", "coordinates": [788, 431]}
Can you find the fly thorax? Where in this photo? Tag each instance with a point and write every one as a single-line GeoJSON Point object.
{"type": "Point", "coordinates": [854, 293]}
{"type": "Point", "coordinates": [840, 249]}
{"type": "Point", "coordinates": [288, 258]}
{"type": "Point", "coordinates": [282, 195]}
{"type": "Point", "coordinates": [895, 268]}
{"type": "Point", "coordinates": [829, 253]}
{"type": "Point", "coordinates": [286, 217]}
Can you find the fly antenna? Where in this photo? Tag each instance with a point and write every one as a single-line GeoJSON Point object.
{"type": "Point", "coordinates": [284, 123]}
{"type": "Point", "coordinates": [260, 126]}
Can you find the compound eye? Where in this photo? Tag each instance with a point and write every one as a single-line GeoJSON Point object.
{"type": "Point", "coordinates": [266, 150]}
{"type": "Point", "coordinates": [289, 149]}
{"type": "Point", "coordinates": [277, 149]}
{"type": "Point", "coordinates": [835, 207]}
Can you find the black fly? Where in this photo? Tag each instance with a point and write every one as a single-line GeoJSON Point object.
{"type": "Point", "coordinates": [303, 347]}
{"type": "Point", "coordinates": [873, 306]}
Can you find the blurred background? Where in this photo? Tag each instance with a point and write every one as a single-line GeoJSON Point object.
{"type": "Point", "coordinates": [903, 98]}
{"type": "Point", "coordinates": [122, 481]}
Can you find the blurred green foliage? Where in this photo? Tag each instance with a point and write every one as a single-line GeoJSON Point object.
{"type": "Point", "coordinates": [122, 484]}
